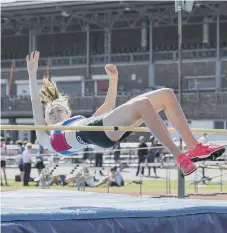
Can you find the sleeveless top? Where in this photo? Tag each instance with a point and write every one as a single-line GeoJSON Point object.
{"type": "Point", "coordinates": [59, 142]}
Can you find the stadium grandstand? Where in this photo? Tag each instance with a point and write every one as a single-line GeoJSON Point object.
{"type": "Point", "coordinates": [77, 38]}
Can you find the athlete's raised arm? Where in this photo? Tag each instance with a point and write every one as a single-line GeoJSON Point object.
{"type": "Point", "coordinates": [110, 100]}
{"type": "Point", "coordinates": [38, 112]}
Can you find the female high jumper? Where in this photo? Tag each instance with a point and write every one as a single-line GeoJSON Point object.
{"type": "Point", "coordinates": [52, 108]}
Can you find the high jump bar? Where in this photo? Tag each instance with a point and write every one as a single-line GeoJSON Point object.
{"type": "Point", "coordinates": [100, 128]}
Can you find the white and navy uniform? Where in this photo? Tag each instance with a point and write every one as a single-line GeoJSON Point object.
{"type": "Point", "coordinates": [67, 143]}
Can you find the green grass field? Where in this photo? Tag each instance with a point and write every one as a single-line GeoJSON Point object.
{"type": "Point", "coordinates": [148, 187]}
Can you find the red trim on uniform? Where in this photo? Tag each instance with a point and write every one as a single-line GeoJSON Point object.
{"type": "Point", "coordinates": [59, 143]}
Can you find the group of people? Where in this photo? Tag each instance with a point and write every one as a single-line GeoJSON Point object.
{"type": "Point", "coordinates": [148, 154]}
{"type": "Point", "coordinates": [25, 159]}
{"type": "Point", "coordinates": [84, 177]}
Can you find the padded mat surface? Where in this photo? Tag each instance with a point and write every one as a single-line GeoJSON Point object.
{"type": "Point", "coordinates": [71, 211]}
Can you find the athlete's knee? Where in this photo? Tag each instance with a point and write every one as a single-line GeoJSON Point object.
{"type": "Point", "coordinates": [168, 91]}
{"type": "Point", "coordinates": [169, 97]}
{"type": "Point", "coordinates": [142, 102]}
{"type": "Point", "coordinates": [140, 105]}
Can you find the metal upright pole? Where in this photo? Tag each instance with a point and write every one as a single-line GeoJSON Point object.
{"type": "Point", "coordinates": [88, 51]}
{"type": "Point", "coordinates": [181, 180]}
{"type": "Point", "coordinates": [151, 81]}
{"type": "Point", "coordinates": [218, 60]}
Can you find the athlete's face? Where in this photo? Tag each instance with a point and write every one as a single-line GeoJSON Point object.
{"type": "Point", "coordinates": [56, 113]}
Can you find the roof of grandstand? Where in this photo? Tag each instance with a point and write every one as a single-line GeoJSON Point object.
{"type": "Point", "coordinates": [11, 3]}
{"type": "Point", "coordinates": [51, 6]}
{"type": "Point", "coordinates": [25, 5]}
{"type": "Point", "coordinates": [18, 14]}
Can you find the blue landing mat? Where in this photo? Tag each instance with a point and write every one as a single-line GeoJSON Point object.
{"type": "Point", "coordinates": [47, 211]}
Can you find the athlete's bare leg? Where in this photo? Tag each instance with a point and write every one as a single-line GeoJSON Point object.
{"type": "Point", "coordinates": [136, 111]}
{"type": "Point", "coordinates": [163, 99]}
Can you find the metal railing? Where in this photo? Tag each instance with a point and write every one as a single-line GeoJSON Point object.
{"type": "Point", "coordinates": [119, 58]}
{"type": "Point", "coordinates": [196, 105]}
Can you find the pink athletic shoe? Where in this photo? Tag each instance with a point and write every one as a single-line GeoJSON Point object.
{"type": "Point", "coordinates": [185, 164]}
{"type": "Point", "coordinates": [203, 152]}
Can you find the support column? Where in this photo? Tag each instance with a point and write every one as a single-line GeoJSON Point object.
{"type": "Point", "coordinates": [206, 29]}
{"type": "Point", "coordinates": [83, 88]}
{"type": "Point", "coordinates": [151, 68]}
{"type": "Point", "coordinates": [13, 133]}
{"type": "Point", "coordinates": [88, 51]}
{"type": "Point", "coordinates": [32, 40]}
{"type": "Point", "coordinates": [107, 44]}
{"type": "Point", "coordinates": [218, 60]}
{"type": "Point", "coordinates": [144, 41]}
{"type": "Point", "coordinates": [95, 88]}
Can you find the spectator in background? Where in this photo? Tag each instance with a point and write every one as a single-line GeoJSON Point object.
{"type": "Point", "coordinates": [98, 156]}
{"type": "Point", "coordinates": [20, 151]}
{"type": "Point", "coordinates": [25, 142]}
{"type": "Point", "coordinates": [158, 152]}
{"type": "Point", "coordinates": [39, 158]}
{"type": "Point", "coordinates": [3, 160]}
{"type": "Point", "coordinates": [115, 179]}
{"type": "Point", "coordinates": [85, 154]}
{"type": "Point", "coordinates": [27, 160]}
{"type": "Point", "coordinates": [142, 154]}
{"type": "Point", "coordinates": [20, 148]}
{"type": "Point", "coordinates": [58, 180]}
{"type": "Point", "coordinates": [89, 179]}
{"type": "Point", "coordinates": [88, 154]}
{"type": "Point", "coordinates": [117, 153]}
{"type": "Point", "coordinates": [8, 137]}
{"type": "Point", "coordinates": [151, 156]}
{"type": "Point", "coordinates": [82, 178]}
{"type": "Point", "coordinates": [204, 138]}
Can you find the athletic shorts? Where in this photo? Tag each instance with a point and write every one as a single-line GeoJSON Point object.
{"type": "Point", "coordinates": [98, 138]}
{"type": "Point", "coordinates": [21, 167]}
{"type": "Point", "coordinates": [3, 163]}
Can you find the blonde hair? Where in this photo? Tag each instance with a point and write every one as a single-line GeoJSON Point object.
{"type": "Point", "coordinates": [49, 93]}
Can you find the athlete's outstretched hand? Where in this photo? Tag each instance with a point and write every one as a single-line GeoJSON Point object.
{"type": "Point", "coordinates": [112, 71]}
{"type": "Point", "coordinates": [32, 62]}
